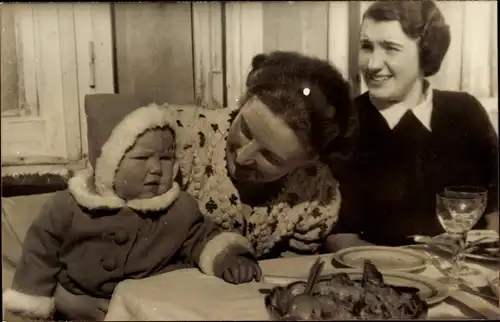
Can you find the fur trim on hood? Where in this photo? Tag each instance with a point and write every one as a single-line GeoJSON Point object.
{"type": "Point", "coordinates": [82, 189]}
{"type": "Point", "coordinates": [123, 136]}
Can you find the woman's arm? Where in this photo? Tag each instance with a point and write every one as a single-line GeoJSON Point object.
{"type": "Point", "coordinates": [317, 207]}
{"type": "Point", "coordinates": [348, 230]}
{"type": "Point", "coordinates": [34, 282]}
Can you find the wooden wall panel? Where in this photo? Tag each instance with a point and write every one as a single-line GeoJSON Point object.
{"type": "Point", "coordinates": [154, 51]}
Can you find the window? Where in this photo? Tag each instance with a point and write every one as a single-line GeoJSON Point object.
{"type": "Point", "coordinates": [48, 65]}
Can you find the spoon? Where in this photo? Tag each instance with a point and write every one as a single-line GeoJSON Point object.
{"type": "Point", "coordinates": [314, 274]}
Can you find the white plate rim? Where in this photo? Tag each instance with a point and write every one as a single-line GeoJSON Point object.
{"type": "Point", "coordinates": [441, 289]}
{"type": "Point", "coordinates": [421, 257]}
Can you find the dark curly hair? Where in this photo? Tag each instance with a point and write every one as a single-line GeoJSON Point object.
{"type": "Point", "coordinates": [313, 98]}
{"type": "Point", "coordinates": [420, 20]}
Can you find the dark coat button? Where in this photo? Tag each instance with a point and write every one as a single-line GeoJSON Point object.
{"type": "Point", "coordinates": [108, 288]}
{"type": "Point", "coordinates": [109, 264]}
{"type": "Point", "coordinates": [121, 237]}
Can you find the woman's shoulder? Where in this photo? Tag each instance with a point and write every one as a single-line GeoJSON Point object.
{"type": "Point", "coordinates": [200, 116]}
{"type": "Point", "coordinates": [454, 103]}
{"type": "Point", "coordinates": [463, 109]}
{"type": "Point", "coordinates": [362, 99]}
{"type": "Point", "coordinates": [219, 116]}
{"type": "Point", "coordinates": [365, 106]}
{"type": "Point", "coordinates": [193, 122]}
{"type": "Point", "coordinates": [454, 99]}
{"type": "Point", "coordinates": [184, 115]}
{"type": "Point", "coordinates": [447, 96]}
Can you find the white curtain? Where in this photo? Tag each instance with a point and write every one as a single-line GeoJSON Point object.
{"type": "Point", "coordinates": [471, 62]}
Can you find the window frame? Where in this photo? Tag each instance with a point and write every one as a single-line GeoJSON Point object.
{"type": "Point", "coordinates": [61, 64]}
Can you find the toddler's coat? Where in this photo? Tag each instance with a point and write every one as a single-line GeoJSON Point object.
{"type": "Point", "coordinates": [87, 239]}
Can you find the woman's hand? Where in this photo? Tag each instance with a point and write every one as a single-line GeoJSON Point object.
{"type": "Point", "coordinates": [337, 242]}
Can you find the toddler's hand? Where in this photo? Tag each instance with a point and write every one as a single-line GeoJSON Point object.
{"type": "Point", "coordinates": [238, 269]}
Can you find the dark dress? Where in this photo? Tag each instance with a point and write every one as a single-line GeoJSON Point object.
{"type": "Point", "coordinates": [388, 190]}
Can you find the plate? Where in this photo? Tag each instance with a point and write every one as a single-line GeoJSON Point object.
{"type": "Point", "coordinates": [384, 258]}
{"type": "Point", "coordinates": [473, 235]}
{"type": "Point", "coordinates": [429, 290]}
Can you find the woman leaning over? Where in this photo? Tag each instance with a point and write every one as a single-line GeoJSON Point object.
{"type": "Point", "coordinates": [260, 168]}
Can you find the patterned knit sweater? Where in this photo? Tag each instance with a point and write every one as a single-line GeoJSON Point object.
{"type": "Point", "coordinates": [299, 217]}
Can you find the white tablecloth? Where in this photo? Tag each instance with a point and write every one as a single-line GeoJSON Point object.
{"type": "Point", "coordinates": [189, 295]}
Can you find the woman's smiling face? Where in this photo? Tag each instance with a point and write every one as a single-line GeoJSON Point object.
{"type": "Point", "coordinates": [261, 146]}
{"type": "Point", "coordinates": [388, 59]}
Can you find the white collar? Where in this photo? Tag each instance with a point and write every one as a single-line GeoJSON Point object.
{"type": "Point", "coordinates": [423, 111]}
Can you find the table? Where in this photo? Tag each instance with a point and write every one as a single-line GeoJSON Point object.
{"type": "Point", "coordinates": [189, 295]}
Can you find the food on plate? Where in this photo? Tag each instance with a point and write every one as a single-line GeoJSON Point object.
{"type": "Point", "coordinates": [305, 306]}
{"type": "Point", "coordinates": [337, 297]}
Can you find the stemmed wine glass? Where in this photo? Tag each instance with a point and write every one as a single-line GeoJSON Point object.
{"type": "Point", "coordinates": [458, 209]}
{"type": "Point", "coordinates": [470, 192]}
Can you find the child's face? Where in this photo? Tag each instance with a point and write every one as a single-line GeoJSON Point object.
{"type": "Point", "coordinates": [146, 170]}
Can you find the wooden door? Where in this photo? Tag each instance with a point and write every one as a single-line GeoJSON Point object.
{"type": "Point", "coordinates": [154, 51]}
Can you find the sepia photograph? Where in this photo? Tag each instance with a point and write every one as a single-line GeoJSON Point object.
{"type": "Point", "coordinates": [258, 160]}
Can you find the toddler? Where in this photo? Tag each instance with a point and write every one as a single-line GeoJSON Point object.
{"type": "Point", "coordinates": [127, 219]}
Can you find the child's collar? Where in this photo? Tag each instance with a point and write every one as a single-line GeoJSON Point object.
{"type": "Point", "coordinates": [82, 189]}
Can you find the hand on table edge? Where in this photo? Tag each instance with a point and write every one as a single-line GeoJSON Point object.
{"type": "Point", "coordinates": [237, 266]}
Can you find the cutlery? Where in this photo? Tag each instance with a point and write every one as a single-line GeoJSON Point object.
{"type": "Point", "coordinates": [484, 311]}
{"type": "Point", "coordinates": [480, 243]}
{"type": "Point", "coordinates": [478, 304]}
{"type": "Point", "coordinates": [483, 251]}
{"type": "Point", "coordinates": [431, 241]}
{"type": "Point", "coordinates": [314, 274]}
{"type": "Point", "coordinates": [435, 260]}
{"type": "Point", "coordinates": [443, 241]}
{"type": "Point", "coordinates": [477, 245]}
{"type": "Point", "coordinates": [468, 289]}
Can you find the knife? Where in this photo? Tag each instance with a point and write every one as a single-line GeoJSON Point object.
{"type": "Point", "coordinates": [488, 248]}
{"type": "Point", "coordinates": [435, 260]}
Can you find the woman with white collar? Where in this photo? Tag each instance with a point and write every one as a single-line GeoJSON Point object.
{"type": "Point", "coordinates": [414, 140]}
